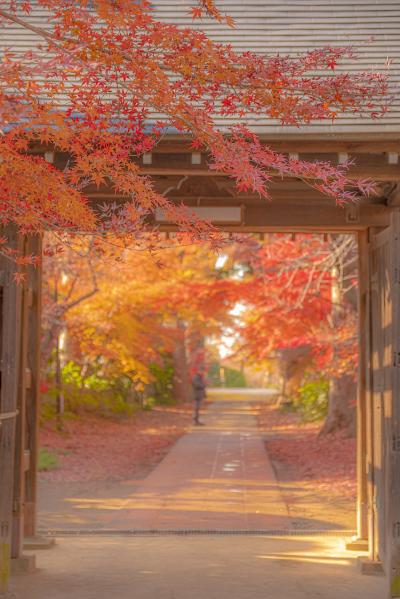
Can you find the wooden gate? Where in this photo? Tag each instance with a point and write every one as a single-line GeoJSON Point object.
{"type": "Point", "coordinates": [385, 401]}
{"type": "Point", "coordinates": [19, 391]}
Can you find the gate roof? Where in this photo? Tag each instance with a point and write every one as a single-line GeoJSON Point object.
{"type": "Point", "coordinates": [293, 26]}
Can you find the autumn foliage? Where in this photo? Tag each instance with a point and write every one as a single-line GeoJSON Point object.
{"type": "Point", "coordinates": [129, 324]}
{"type": "Point", "coordinates": [126, 319]}
{"type": "Point", "coordinates": [301, 293]}
{"type": "Point", "coordinates": [105, 81]}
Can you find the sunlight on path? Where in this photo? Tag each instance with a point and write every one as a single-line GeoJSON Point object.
{"type": "Point", "coordinates": [205, 567]}
{"type": "Point", "coordinates": [218, 476]}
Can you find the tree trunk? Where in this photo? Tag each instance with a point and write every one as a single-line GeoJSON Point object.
{"type": "Point", "coordinates": [181, 375]}
{"type": "Point", "coordinates": [342, 388]}
{"type": "Point", "coordinates": [292, 365]}
{"type": "Point", "coordinates": [342, 404]}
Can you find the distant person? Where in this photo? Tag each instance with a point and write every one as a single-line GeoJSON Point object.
{"type": "Point", "coordinates": [199, 393]}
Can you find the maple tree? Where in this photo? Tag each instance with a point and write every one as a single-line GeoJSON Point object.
{"type": "Point", "coordinates": [297, 299]}
{"type": "Point", "coordinates": [98, 76]}
{"type": "Point", "coordinates": [301, 306]}
{"type": "Point", "coordinates": [130, 321]}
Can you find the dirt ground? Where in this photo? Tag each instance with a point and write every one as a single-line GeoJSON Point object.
{"type": "Point", "coordinates": [317, 475]}
{"type": "Point", "coordinates": [102, 459]}
{"type": "Point", "coordinates": [91, 448]}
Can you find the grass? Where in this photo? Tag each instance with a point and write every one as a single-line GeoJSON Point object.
{"type": "Point", "coordinates": [48, 460]}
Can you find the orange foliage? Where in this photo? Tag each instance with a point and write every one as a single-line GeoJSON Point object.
{"type": "Point", "coordinates": [127, 312]}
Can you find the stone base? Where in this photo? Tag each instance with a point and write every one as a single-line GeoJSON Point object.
{"type": "Point", "coordinates": [38, 543]}
{"type": "Point", "coordinates": [357, 545]}
{"type": "Point", "coordinates": [25, 563]}
{"type": "Point", "coordinates": [370, 567]}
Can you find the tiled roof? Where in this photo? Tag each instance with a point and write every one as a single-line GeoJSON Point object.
{"type": "Point", "coordinates": [292, 26]}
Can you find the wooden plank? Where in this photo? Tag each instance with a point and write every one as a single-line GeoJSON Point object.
{"type": "Point", "coordinates": [284, 143]}
{"type": "Point", "coordinates": [386, 172]}
{"type": "Point", "coordinates": [272, 216]}
{"type": "Point", "coordinates": [393, 197]}
{"type": "Point", "coordinates": [19, 463]}
{"type": "Point", "coordinates": [33, 391]}
{"type": "Point", "coordinates": [304, 146]}
{"type": "Point", "coordinates": [363, 323]}
{"type": "Point", "coordinates": [381, 348]}
{"type": "Point", "coordinates": [370, 431]}
{"type": "Point", "coordinates": [10, 346]}
{"type": "Point", "coordinates": [393, 433]}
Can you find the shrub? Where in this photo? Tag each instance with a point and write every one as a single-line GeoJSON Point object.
{"type": "Point", "coordinates": [162, 386]}
{"type": "Point", "coordinates": [231, 377]}
{"type": "Point", "coordinates": [92, 389]}
{"type": "Point", "coordinates": [312, 400]}
{"type": "Point", "coordinates": [48, 460]}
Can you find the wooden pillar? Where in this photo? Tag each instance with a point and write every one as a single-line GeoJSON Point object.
{"type": "Point", "coordinates": [378, 284]}
{"type": "Point", "coordinates": [392, 462]}
{"type": "Point", "coordinates": [11, 297]}
{"type": "Point", "coordinates": [32, 386]}
{"type": "Point", "coordinates": [17, 536]}
{"type": "Point", "coordinates": [363, 357]}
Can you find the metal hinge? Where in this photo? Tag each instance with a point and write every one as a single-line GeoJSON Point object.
{"type": "Point", "coordinates": [396, 530]}
{"type": "Point", "coordinates": [396, 443]}
{"type": "Point", "coordinates": [396, 358]}
{"type": "Point", "coordinates": [4, 529]}
{"type": "Point", "coordinates": [352, 213]}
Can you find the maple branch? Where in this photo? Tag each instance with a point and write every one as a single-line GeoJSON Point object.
{"type": "Point", "coordinates": [38, 30]}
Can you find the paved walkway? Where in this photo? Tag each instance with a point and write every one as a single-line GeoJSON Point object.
{"type": "Point", "coordinates": [205, 567]}
{"type": "Point", "coordinates": [218, 476]}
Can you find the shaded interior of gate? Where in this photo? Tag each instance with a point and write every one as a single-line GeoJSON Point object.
{"type": "Point", "coordinates": [185, 177]}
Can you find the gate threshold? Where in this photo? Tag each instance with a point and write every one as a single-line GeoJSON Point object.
{"type": "Point", "coordinates": [182, 532]}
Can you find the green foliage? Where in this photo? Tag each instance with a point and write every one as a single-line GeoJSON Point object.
{"type": "Point", "coordinates": [48, 460]}
{"type": "Point", "coordinates": [90, 390]}
{"type": "Point", "coordinates": [163, 382]}
{"type": "Point", "coordinates": [93, 392]}
{"type": "Point", "coordinates": [47, 409]}
{"type": "Point", "coordinates": [222, 376]}
{"type": "Point", "coordinates": [214, 375]}
{"type": "Point", "coordinates": [312, 400]}
{"type": "Point", "coordinates": [234, 378]}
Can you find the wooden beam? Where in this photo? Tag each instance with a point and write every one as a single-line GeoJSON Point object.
{"type": "Point", "coordinates": [393, 197]}
{"type": "Point", "coordinates": [11, 297]}
{"type": "Point", "coordinates": [33, 391]}
{"type": "Point", "coordinates": [277, 195]}
{"type": "Point", "coordinates": [19, 463]}
{"type": "Point", "coordinates": [281, 143]}
{"type": "Point", "coordinates": [392, 487]}
{"type": "Point", "coordinates": [363, 325]}
{"type": "Point", "coordinates": [384, 172]}
{"type": "Point", "coordinates": [370, 424]}
{"type": "Point", "coordinates": [276, 216]}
